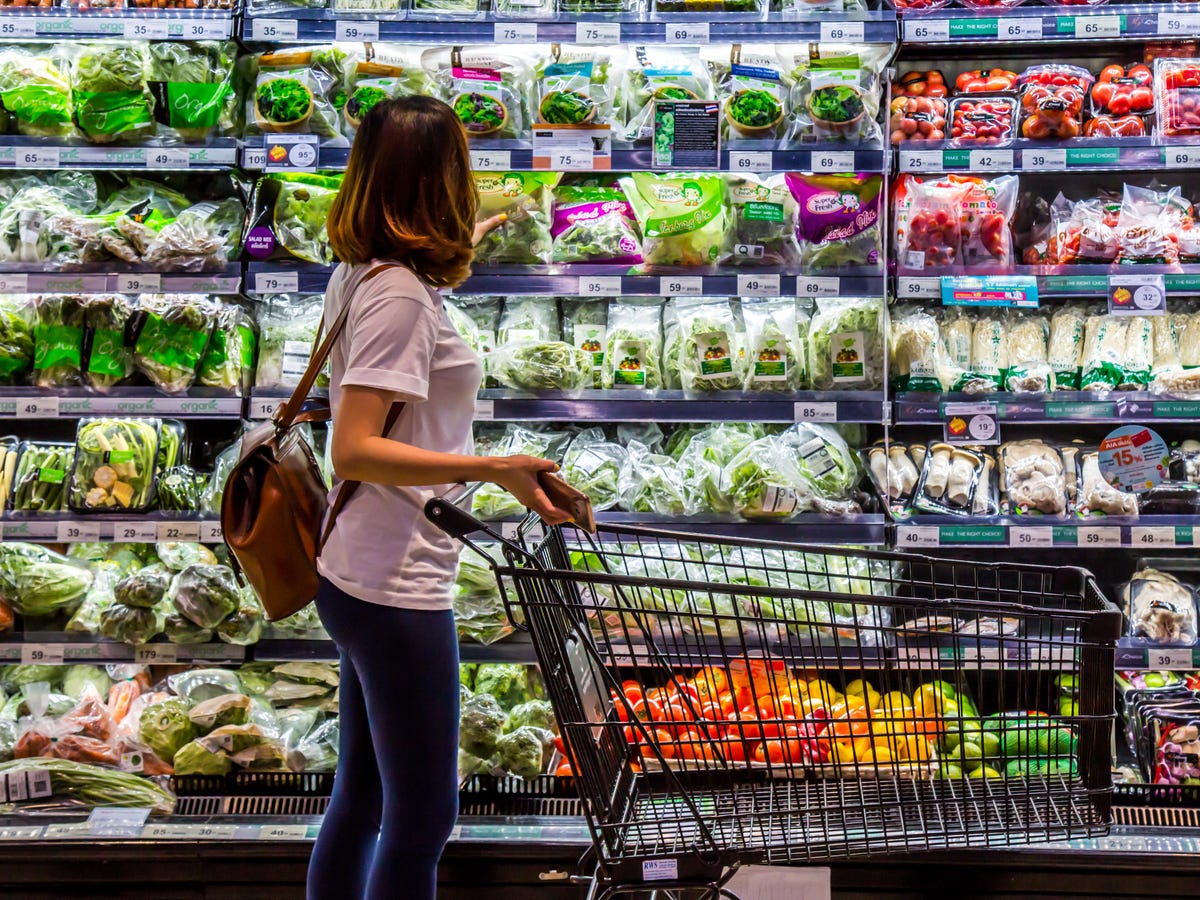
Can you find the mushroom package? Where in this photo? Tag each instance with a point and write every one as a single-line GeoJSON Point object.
{"type": "Point", "coordinates": [1034, 478]}
{"type": "Point", "coordinates": [949, 479]}
{"type": "Point", "coordinates": [893, 472]}
{"type": "Point", "coordinates": [1161, 609]}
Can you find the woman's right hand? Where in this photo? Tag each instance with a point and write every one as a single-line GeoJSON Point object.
{"type": "Point", "coordinates": [519, 476]}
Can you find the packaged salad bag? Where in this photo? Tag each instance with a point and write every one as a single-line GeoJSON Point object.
{"type": "Point", "coordinates": [594, 224]}
{"type": "Point", "coordinates": [525, 198]}
{"type": "Point", "coordinates": [287, 217]}
{"type": "Point", "coordinates": [111, 91]}
{"type": "Point", "coordinates": [762, 214]}
{"type": "Point", "coordinates": [683, 217]}
{"type": "Point", "coordinates": [576, 85]}
{"type": "Point", "coordinates": [660, 73]}
{"type": "Point", "coordinates": [295, 91]}
{"type": "Point", "coordinates": [192, 86]}
{"type": "Point", "coordinates": [835, 90]}
{"type": "Point", "coordinates": [837, 220]}
{"type": "Point", "coordinates": [388, 71]}
{"type": "Point", "coordinates": [489, 88]}
{"type": "Point", "coordinates": [752, 89]}
{"type": "Point", "coordinates": [36, 92]}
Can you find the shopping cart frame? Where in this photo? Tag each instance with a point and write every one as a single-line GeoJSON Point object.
{"type": "Point", "coordinates": [543, 580]}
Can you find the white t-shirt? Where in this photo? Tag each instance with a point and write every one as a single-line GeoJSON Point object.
{"type": "Point", "coordinates": [397, 338]}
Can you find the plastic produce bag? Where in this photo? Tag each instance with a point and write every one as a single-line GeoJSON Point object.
{"type": "Point", "coordinates": [111, 92]}
{"type": "Point", "coordinates": [763, 221]}
{"type": "Point", "coordinates": [202, 238]}
{"type": "Point", "coordinates": [173, 337]}
{"type": "Point", "coordinates": [1035, 478]}
{"type": "Point", "coordinates": [43, 471]}
{"type": "Point", "coordinates": [192, 85]}
{"type": "Point", "coordinates": [114, 465]}
{"type": "Point", "coordinates": [493, 502]}
{"type": "Point", "coordinates": [635, 347]}
{"type": "Point", "coordinates": [487, 87]}
{"type": "Point", "coordinates": [1161, 609]}
{"type": "Point", "coordinates": [594, 224]}
{"type": "Point", "coordinates": [710, 359]}
{"type": "Point", "coordinates": [214, 492]}
{"type": "Point", "coordinates": [205, 594]}
{"type": "Point", "coordinates": [1103, 353]}
{"type": "Point", "coordinates": [479, 612]}
{"type": "Point", "coordinates": [837, 220]}
{"type": "Point", "coordinates": [660, 73]}
{"type": "Point", "coordinates": [836, 90]}
{"type": "Point", "coordinates": [165, 727]}
{"type": "Point", "coordinates": [1065, 346]}
{"type": "Point", "coordinates": [99, 596]}
{"type": "Point", "coordinates": [576, 85]}
{"type": "Point", "coordinates": [703, 458]}
{"type": "Point", "coordinates": [16, 338]}
{"type": "Point", "coordinates": [541, 365]}
{"type": "Point", "coordinates": [762, 482]}
{"type": "Point", "coordinates": [144, 588]}
{"type": "Point", "coordinates": [392, 71]}
{"type": "Point", "coordinates": [913, 343]}
{"type": "Point", "coordinates": [109, 361]}
{"type": "Point", "coordinates": [750, 85]}
{"type": "Point", "coordinates": [197, 685]}
{"type": "Point", "coordinates": [682, 216]}
{"type": "Point", "coordinates": [287, 329]}
{"type": "Point", "coordinates": [293, 93]}
{"type": "Point", "coordinates": [593, 464]}
{"type": "Point", "coordinates": [245, 624]}
{"type": "Point", "coordinates": [35, 90]}
{"type": "Point", "coordinates": [585, 326]}
{"type": "Point", "coordinates": [130, 624]}
{"type": "Point", "coordinates": [288, 217]}
{"type": "Point", "coordinates": [651, 483]}
{"type": "Point", "coordinates": [525, 198]}
{"type": "Point", "coordinates": [845, 344]}
{"type": "Point", "coordinates": [58, 326]}
{"type": "Point", "coordinates": [1028, 370]}
{"type": "Point", "coordinates": [39, 582]}
{"type": "Point", "coordinates": [827, 465]}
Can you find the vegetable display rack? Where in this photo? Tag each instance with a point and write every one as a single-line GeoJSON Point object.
{"type": "Point", "coordinates": [646, 637]}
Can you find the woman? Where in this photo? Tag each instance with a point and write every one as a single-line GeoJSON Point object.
{"type": "Point", "coordinates": [387, 572]}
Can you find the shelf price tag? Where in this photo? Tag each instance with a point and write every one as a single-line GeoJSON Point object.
{"type": "Point", "coordinates": [1025, 29]}
{"type": "Point", "coordinates": [1051, 158]}
{"type": "Point", "coordinates": [920, 160]}
{"type": "Point", "coordinates": [283, 832]}
{"type": "Point", "coordinates": [82, 531]}
{"type": "Point", "coordinates": [687, 33]}
{"type": "Point", "coordinates": [515, 33]}
{"type": "Point", "coordinates": [927, 31]}
{"type": "Point", "coordinates": [598, 33]}
{"type": "Point", "coordinates": [843, 31]}
{"type": "Point", "coordinates": [485, 410]}
{"type": "Point", "coordinates": [1181, 157]}
{"type": "Point", "coordinates": [750, 162]}
{"type": "Point", "coordinates": [37, 408]}
{"type": "Point", "coordinates": [264, 407]}
{"type": "Point", "coordinates": [1099, 536]}
{"type": "Point", "coordinates": [491, 160]}
{"type": "Point", "coordinates": [18, 27]}
{"type": "Point", "coordinates": [167, 158]}
{"type": "Point", "coordinates": [990, 160]}
{"type": "Point", "coordinates": [273, 29]}
{"type": "Point", "coordinates": [803, 411]}
{"type": "Point", "coordinates": [1030, 537]}
{"type": "Point", "coordinates": [1097, 26]}
{"type": "Point", "coordinates": [136, 532]}
{"type": "Point", "coordinates": [147, 29]}
{"type": "Point", "coordinates": [139, 283]}
{"type": "Point", "coordinates": [1178, 24]}
{"type": "Point", "coordinates": [41, 654]}
{"type": "Point", "coordinates": [833, 160]}
{"type": "Point", "coordinates": [291, 152]}
{"type": "Point", "coordinates": [571, 148]}
{"type": "Point", "coordinates": [600, 285]}
{"type": "Point", "coordinates": [276, 282]}
{"type": "Point", "coordinates": [919, 287]}
{"type": "Point", "coordinates": [681, 285]}
{"type": "Point", "coordinates": [918, 535]}
{"type": "Point", "coordinates": [156, 654]}
{"type": "Point", "coordinates": [818, 286]}
{"type": "Point", "coordinates": [179, 531]}
{"type": "Point", "coordinates": [1152, 536]}
{"type": "Point", "coordinates": [119, 822]}
{"type": "Point", "coordinates": [14, 283]}
{"type": "Point", "coordinates": [1170, 658]}
{"type": "Point", "coordinates": [211, 533]}
{"type": "Point", "coordinates": [758, 286]}
{"type": "Point", "coordinates": [1137, 295]}
{"type": "Point", "coordinates": [36, 158]}
{"type": "Point", "coordinates": [363, 30]}
{"type": "Point", "coordinates": [971, 423]}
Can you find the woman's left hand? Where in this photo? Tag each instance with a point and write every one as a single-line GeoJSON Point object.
{"type": "Point", "coordinates": [482, 228]}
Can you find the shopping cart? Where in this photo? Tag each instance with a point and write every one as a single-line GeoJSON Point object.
{"type": "Point", "coordinates": [727, 702]}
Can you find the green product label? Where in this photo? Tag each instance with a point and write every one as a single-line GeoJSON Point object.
{"type": "Point", "coordinates": [218, 351]}
{"type": "Point", "coordinates": [51, 476]}
{"type": "Point", "coordinates": [770, 359]}
{"type": "Point", "coordinates": [1177, 409]}
{"type": "Point", "coordinates": [171, 344]}
{"type": "Point", "coordinates": [972, 534]}
{"type": "Point", "coordinates": [1065, 534]}
{"type": "Point", "coordinates": [39, 104]}
{"type": "Point", "coordinates": [712, 353]}
{"type": "Point", "coordinates": [1093, 156]}
{"type": "Point", "coordinates": [249, 345]}
{"type": "Point", "coordinates": [973, 27]}
{"type": "Point", "coordinates": [111, 112]}
{"type": "Point", "coordinates": [194, 105]}
{"type": "Point", "coordinates": [629, 369]}
{"type": "Point", "coordinates": [847, 356]}
{"type": "Point", "coordinates": [119, 456]}
{"type": "Point", "coordinates": [108, 351]}
{"type": "Point", "coordinates": [762, 212]}
{"type": "Point", "coordinates": [55, 345]}
{"type": "Point", "coordinates": [1183, 535]}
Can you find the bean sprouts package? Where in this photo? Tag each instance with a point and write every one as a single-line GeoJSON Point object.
{"type": "Point", "coordinates": [949, 479]}
{"type": "Point", "coordinates": [1102, 364]}
{"type": "Point", "coordinates": [837, 220]}
{"type": "Point", "coordinates": [192, 86]}
{"type": "Point", "coordinates": [526, 199]}
{"type": "Point", "coordinates": [1161, 609]}
{"type": "Point", "coordinates": [58, 328]}
{"type": "Point", "coordinates": [683, 217]}
{"type": "Point", "coordinates": [391, 71]}
{"type": "Point", "coordinates": [774, 350]}
{"type": "Point", "coordinates": [845, 344]}
{"type": "Point", "coordinates": [294, 92]}
{"type": "Point", "coordinates": [287, 217]}
{"type": "Point", "coordinates": [287, 328]}
{"type": "Point", "coordinates": [1028, 370]}
{"type": "Point", "coordinates": [111, 92]}
{"type": "Point", "coordinates": [1034, 479]}
{"type": "Point", "coordinates": [1065, 347]}
{"type": "Point", "coordinates": [913, 345]}
{"type": "Point", "coordinates": [635, 345]}
{"type": "Point", "coordinates": [660, 73]}
{"type": "Point", "coordinates": [836, 90]}
{"type": "Point", "coordinates": [174, 332]}
{"type": "Point", "coordinates": [35, 90]}
{"type": "Point", "coordinates": [109, 360]}
{"type": "Point", "coordinates": [487, 87]}
{"type": "Point", "coordinates": [763, 221]}
{"type": "Point", "coordinates": [751, 87]}
{"type": "Point", "coordinates": [576, 85]}
{"type": "Point", "coordinates": [989, 356]}
{"type": "Point", "coordinates": [710, 359]}
{"type": "Point", "coordinates": [651, 483]}
{"type": "Point", "coordinates": [594, 224]}
{"type": "Point", "coordinates": [954, 347]}
{"type": "Point", "coordinates": [585, 325]}
{"type": "Point", "coordinates": [1139, 353]}
{"type": "Point", "coordinates": [593, 464]}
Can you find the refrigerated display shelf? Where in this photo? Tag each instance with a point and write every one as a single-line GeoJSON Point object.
{"type": "Point", "coordinates": [1089, 281]}
{"type": "Point", "coordinates": [16, 278]}
{"type": "Point", "coordinates": [70, 403]}
{"type": "Point", "coordinates": [19, 153]}
{"type": "Point", "coordinates": [738, 156]}
{"type": "Point", "coordinates": [603, 281]}
{"type": "Point", "coordinates": [806, 528]}
{"type": "Point", "coordinates": [1144, 533]}
{"type": "Point", "coordinates": [875, 26]}
{"type": "Point", "coordinates": [117, 22]}
{"type": "Point", "coordinates": [69, 528]}
{"type": "Point", "coordinates": [1043, 24]}
{"type": "Point", "coordinates": [1078, 155]}
{"type": "Point", "coordinates": [1061, 406]}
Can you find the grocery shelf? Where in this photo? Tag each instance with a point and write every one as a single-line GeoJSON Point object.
{"type": "Point", "coordinates": [806, 528]}
{"type": "Point", "coordinates": [70, 403]}
{"type": "Point", "coordinates": [129, 23]}
{"type": "Point", "coordinates": [1143, 533]}
{"type": "Point", "coordinates": [1060, 406]}
{"type": "Point", "coordinates": [1033, 23]}
{"type": "Point", "coordinates": [1089, 281]}
{"type": "Point", "coordinates": [38, 153]}
{"type": "Point", "coordinates": [69, 528]}
{"type": "Point", "coordinates": [17, 278]}
{"type": "Point", "coordinates": [1082, 154]}
{"type": "Point", "coordinates": [876, 26]}
{"type": "Point", "coordinates": [601, 281]}
{"type": "Point", "coordinates": [1132, 654]}
{"type": "Point", "coordinates": [736, 156]}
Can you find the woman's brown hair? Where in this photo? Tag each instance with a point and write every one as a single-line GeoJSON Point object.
{"type": "Point", "coordinates": [408, 194]}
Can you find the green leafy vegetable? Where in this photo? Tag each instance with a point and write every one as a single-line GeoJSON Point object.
{"type": "Point", "coordinates": [114, 464]}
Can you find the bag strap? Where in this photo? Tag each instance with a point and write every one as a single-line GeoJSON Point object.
{"type": "Point", "coordinates": [289, 413]}
{"type": "Point", "coordinates": [346, 491]}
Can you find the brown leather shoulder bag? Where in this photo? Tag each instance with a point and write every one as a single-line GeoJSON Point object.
{"type": "Point", "coordinates": [275, 498]}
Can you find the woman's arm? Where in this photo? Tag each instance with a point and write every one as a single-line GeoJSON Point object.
{"type": "Point", "coordinates": [361, 453]}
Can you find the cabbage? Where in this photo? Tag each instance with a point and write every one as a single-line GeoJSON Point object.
{"type": "Point", "coordinates": [651, 483]}
{"type": "Point", "coordinates": [79, 678]}
{"type": "Point", "coordinates": [164, 727]}
{"type": "Point", "coordinates": [196, 759]}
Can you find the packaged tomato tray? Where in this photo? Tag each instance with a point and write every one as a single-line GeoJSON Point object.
{"type": "Point", "coordinates": [1121, 91]}
{"type": "Point", "coordinates": [918, 119]}
{"type": "Point", "coordinates": [982, 121]}
{"type": "Point", "coordinates": [985, 81]}
{"type": "Point", "coordinates": [1178, 97]}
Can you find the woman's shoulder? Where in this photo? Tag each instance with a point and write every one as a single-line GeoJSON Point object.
{"type": "Point", "coordinates": [392, 280]}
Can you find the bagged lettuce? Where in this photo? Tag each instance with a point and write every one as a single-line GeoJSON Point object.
{"type": "Point", "coordinates": [651, 483]}
{"type": "Point", "coordinates": [192, 85]}
{"type": "Point", "coordinates": [634, 355]}
{"type": "Point", "coordinates": [594, 224]}
{"type": "Point", "coordinates": [710, 357]}
{"type": "Point", "coordinates": [392, 71]}
{"type": "Point", "coordinates": [109, 360]}
{"type": "Point", "coordinates": [660, 73]}
{"type": "Point", "coordinates": [175, 331]}
{"type": "Point", "coordinates": [576, 85]}
{"type": "Point", "coordinates": [111, 91]}
{"type": "Point", "coordinates": [837, 220]}
{"type": "Point", "coordinates": [703, 458]}
{"type": "Point", "coordinates": [835, 90]}
{"type": "Point", "coordinates": [683, 217]}
{"type": "Point", "coordinates": [532, 365]}
{"type": "Point", "coordinates": [763, 482]}
{"type": "Point", "coordinates": [585, 326]}
{"type": "Point", "coordinates": [35, 91]}
{"type": "Point", "coordinates": [762, 221]}
{"type": "Point", "coordinates": [775, 353]}
{"type": "Point", "coordinates": [593, 464]}
{"type": "Point", "coordinates": [752, 90]}
{"type": "Point", "coordinates": [295, 91]}
{"type": "Point", "coordinates": [845, 344]}
{"type": "Point", "coordinates": [493, 502]}
{"type": "Point", "coordinates": [525, 198]}
{"type": "Point", "coordinates": [487, 87]}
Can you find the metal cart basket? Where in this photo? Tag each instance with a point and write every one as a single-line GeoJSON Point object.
{"type": "Point", "coordinates": [726, 702]}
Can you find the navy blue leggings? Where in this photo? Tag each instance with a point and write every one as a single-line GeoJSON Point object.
{"type": "Point", "coordinates": [395, 797]}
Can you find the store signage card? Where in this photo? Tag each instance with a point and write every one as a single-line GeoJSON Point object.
{"type": "Point", "coordinates": [291, 152]}
{"type": "Point", "coordinates": [1134, 458]}
{"type": "Point", "coordinates": [1137, 295]}
{"type": "Point", "coordinates": [687, 134]}
{"type": "Point", "coordinates": [990, 290]}
{"type": "Point", "coordinates": [567, 148]}
{"type": "Point", "coordinates": [970, 423]}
